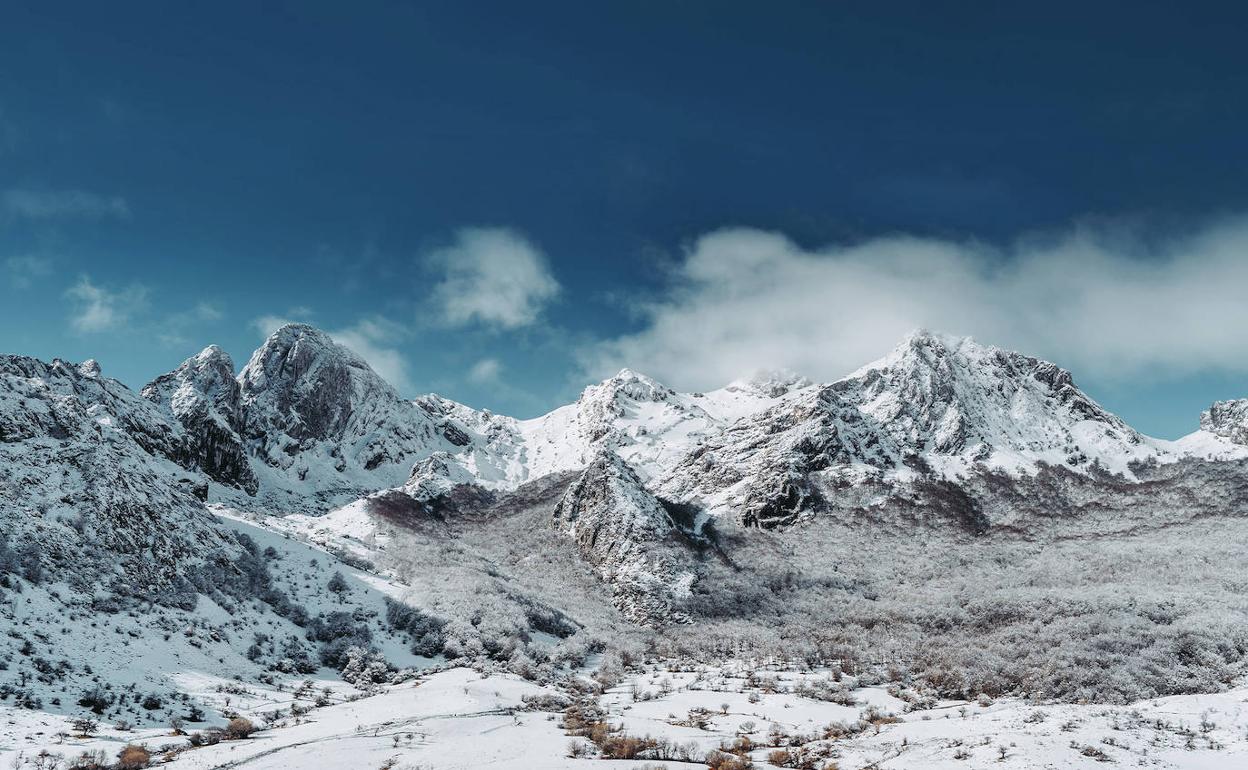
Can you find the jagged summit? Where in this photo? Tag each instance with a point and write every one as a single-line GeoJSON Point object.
{"type": "Point", "coordinates": [935, 405]}
{"type": "Point", "coordinates": [203, 397]}
{"type": "Point", "coordinates": [617, 525]}
{"type": "Point", "coordinates": [1227, 419]}
{"type": "Point", "coordinates": [771, 383]}
{"type": "Point", "coordinates": [310, 380]}
{"type": "Point", "coordinates": [917, 342]}
{"type": "Point", "coordinates": [627, 384]}
{"type": "Point", "coordinates": [952, 396]}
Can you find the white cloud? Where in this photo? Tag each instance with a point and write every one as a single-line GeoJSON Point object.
{"type": "Point", "coordinates": [492, 276]}
{"type": "Point", "coordinates": [50, 204]}
{"type": "Point", "coordinates": [24, 270]}
{"type": "Point", "coordinates": [206, 311]}
{"type": "Point", "coordinates": [485, 371]}
{"type": "Point", "coordinates": [97, 308]}
{"type": "Point", "coordinates": [1099, 304]}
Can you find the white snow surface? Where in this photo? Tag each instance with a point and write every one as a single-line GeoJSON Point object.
{"type": "Point", "coordinates": [461, 720]}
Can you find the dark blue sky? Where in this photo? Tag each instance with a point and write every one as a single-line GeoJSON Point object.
{"type": "Point", "coordinates": [171, 173]}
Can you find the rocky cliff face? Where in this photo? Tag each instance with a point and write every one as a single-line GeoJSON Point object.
{"type": "Point", "coordinates": [203, 396]}
{"type": "Point", "coordinates": [619, 529]}
{"type": "Point", "coordinates": [1228, 420]}
{"type": "Point", "coordinates": [321, 425]}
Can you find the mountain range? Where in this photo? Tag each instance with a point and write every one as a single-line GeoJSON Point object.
{"type": "Point", "coordinates": [637, 506]}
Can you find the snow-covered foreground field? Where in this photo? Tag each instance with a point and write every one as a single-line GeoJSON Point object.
{"type": "Point", "coordinates": [461, 719]}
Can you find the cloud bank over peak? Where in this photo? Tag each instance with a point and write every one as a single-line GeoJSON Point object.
{"type": "Point", "coordinates": [1091, 300]}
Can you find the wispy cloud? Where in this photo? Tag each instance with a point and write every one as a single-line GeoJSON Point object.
{"type": "Point", "coordinates": [206, 311]}
{"type": "Point", "coordinates": [53, 204]}
{"type": "Point", "coordinates": [184, 328]}
{"type": "Point", "coordinates": [24, 270]}
{"type": "Point", "coordinates": [97, 308]}
{"type": "Point", "coordinates": [493, 277]}
{"type": "Point", "coordinates": [1097, 301]}
{"type": "Point", "coordinates": [485, 372]}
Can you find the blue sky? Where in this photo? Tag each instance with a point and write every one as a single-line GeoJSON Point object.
{"type": "Point", "coordinates": [501, 201]}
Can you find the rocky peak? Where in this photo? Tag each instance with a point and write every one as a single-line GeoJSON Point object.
{"type": "Point", "coordinates": [203, 396]}
{"type": "Point", "coordinates": [65, 401]}
{"type": "Point", "coordinates": [208, 376]}
{"type": "Point", "coordinates": [609, 494]}
{"type": "Point", "coordinates": [612, 396]}
{"type": "Point", "coordinates": [436, 475]}
{"type": "Point", "coordinates": [936, 406]}
{"type": "Point", "coordinates": [307, 386]}
{"type": "Point", "coordinates": [602, 405]}
{"type": "Point", "coordinates": [1228, 419]}
{"type": "Point", "coordinates": [950, 395]}
{"type": "Point", "coordinates": [618, 527]}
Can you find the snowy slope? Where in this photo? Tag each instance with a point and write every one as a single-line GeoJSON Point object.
{"type": "Point", "coordinates": [87, 475]}
{"type": "Point", "coordinates": [1223, 433]}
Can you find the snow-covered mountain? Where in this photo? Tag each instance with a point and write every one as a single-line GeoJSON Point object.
{"type": "Point", "coordinates": [308, 425]}
{"type": "Point", "coordinates": [319, 420]}
{"type": "Point", "coordinates": [648, 424]}
{"type": "Point", "coordinates": [214, 511]}
{"type": "Point", "coordinates": [1223, 433]}
{"type": "Point", "coordinates": [935, 406]}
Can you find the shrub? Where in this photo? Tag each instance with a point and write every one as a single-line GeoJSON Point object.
{"type": "Point", "coordinates": [84, 726]}
{"type": "Point", "coordinates": [719, 760]}
{"type": "Point", "coordinates": [89, 760]}
{"type": "Point", "coordinates": [133, 757]}
{"type": "Point", "coordinates": [96, 699]}
{"type": "Point", "coordinates": [623, 746]}
{"type": "Point", "coordinates": [239, 728]}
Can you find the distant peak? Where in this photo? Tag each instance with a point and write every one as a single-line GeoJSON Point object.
{"type": "Point", "coordinates": [310, 342]}
{"type": "Point", "coordinates": [926, 338]}
{"type": "Point", "coordinates": [295, 331]}
{"type": "Point", "coordinates": [213, 354]}
{"type": "Point", "coordinates": [770, 382]}
{"type": "Point", "coordinates": [632, 384]}
{"type": "Point", "coordinates": [629, 375]}
{"type": "Point", "coordinates": [918, 345]}
{"type": "Point", "coordinates": [89, 368]}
